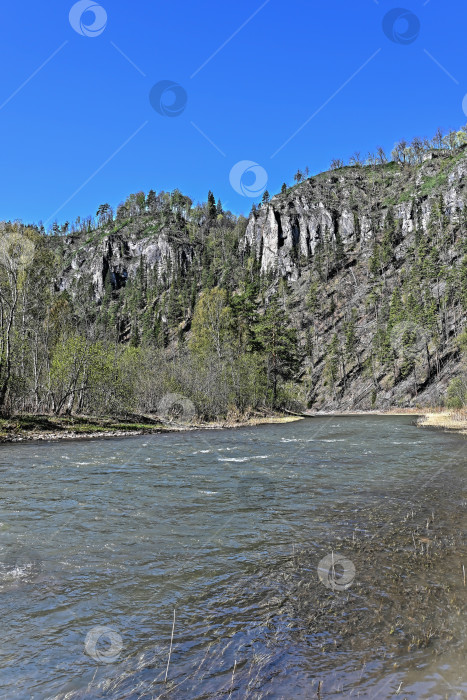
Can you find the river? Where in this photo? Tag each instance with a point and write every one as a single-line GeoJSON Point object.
{"type": "Point", "coordinates": [321, 558]}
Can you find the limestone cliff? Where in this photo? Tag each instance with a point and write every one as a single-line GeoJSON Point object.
{"type": "Point", "coordinates": [352, 204]}
{"type": "Point", "coordinates": [346, 213]}
{"type": "Point", "coordinates": [362, 241]}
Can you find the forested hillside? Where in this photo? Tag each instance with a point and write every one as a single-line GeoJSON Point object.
{"type": "Point", "coordinates": [346, 291]}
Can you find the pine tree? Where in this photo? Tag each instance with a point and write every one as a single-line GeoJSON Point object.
{"type": "Point", "coordinates": [279, 343]}
{"type": "Point", "coordinates": [351, 340]}
{"type": "Point", "coordinates": [396, 308]}
{"type": "Point", "coordinates": [298, 177]}
{"type": "Point", "coordinates": [151, 201]}
{"type": "Point", "coordinates": [211, 205]}
{"type": "Point", "coordinates": [331, 366]}
{"type": "Point", "coordinates": [245, 317]}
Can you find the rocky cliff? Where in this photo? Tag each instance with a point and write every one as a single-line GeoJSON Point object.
{"type": "Point", "coordinates": [347, 214]}
{"type": "Point", "coordinates": [370, 263]}
{"type": "Point", "coordinates": [352, 203]}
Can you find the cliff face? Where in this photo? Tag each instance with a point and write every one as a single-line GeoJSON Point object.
{"type": "Point", "coordinates": [346, 213]}
{"type": "Point", "coordinates": [115, 257]}
{"type": "Point", "coordinates": [352, 204]}
{"type": "Point", "coordinates": [370, 263]}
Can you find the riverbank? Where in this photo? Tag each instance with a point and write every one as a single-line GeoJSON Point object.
{"type": "Point", "coordinates": [30, 428]}
{"type": "Point", "coordinates": [433, 417]}
{"type": "Point", "coordinates": [455, 421]}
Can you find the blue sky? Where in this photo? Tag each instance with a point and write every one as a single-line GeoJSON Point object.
{"type": "Point", "coordinates": [80, 130]}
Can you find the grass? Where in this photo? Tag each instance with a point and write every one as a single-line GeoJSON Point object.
{"type": "Point", "coordinates": [430, 183]}
{"type": "Point", "coordinates": [446, 420]}
{"type": "Point", "coordinates": [29, 427]}
{"type": "Point", "coordinates": [405, 197]}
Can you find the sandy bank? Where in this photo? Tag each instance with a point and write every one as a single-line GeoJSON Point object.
{"type": "Point", "coordinates": [445, 420]}
{"type": "Point", "coordinates": [51, 428]}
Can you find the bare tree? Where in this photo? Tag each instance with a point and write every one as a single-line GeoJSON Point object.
{"type": "Point", "coordinates": [438, 138]}
{"type": "Point", "coordinates": [356, 159]}
{"type": "Point", "coordinates": [336, 163]}
{"type": "Point", "coordinates": [381, 155]}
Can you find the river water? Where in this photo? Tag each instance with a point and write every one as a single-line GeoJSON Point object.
{"type": "Point", "coordinates": [316, 559]}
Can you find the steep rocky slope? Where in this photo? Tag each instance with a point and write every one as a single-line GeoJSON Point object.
{"type": "Point", "coordinates": [423, 208]}
{"type": "Point", "coordinates": [370, 263]}
{"type": "Point", "coordinates": [353, 203]}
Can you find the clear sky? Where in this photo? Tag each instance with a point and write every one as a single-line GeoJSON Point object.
{"type": "Point", "coordinates": [78, 127]}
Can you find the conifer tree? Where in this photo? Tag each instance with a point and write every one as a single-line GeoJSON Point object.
{"type": "Point", "coordinates": [279, 343]}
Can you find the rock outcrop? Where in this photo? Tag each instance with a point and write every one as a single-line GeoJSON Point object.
{"type": "Point", "coordinates": [351, 204]}
{"type": "Point", "coordinates": [325, 233]}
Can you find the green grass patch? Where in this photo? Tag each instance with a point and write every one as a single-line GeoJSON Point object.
{"type": "Point", "coordinates": [431, 183]}
{"type": "Point", "coordinates": [405, 197]}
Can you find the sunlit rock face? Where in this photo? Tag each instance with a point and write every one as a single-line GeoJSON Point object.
{"type": "Point", "coordinates": [117, 257]}
{"type": "Point", "coordinates": [350, 205]}
{"type": "Point", "coordinates": [322, 234]}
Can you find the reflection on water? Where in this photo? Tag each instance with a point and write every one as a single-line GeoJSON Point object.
{"type": "Point", "coordinates": [321, 558]}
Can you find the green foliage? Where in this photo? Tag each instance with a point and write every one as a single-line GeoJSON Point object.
{"type": "Point", "coordinates": [433, 182]}
{"type": "Point", "coordinates": [212, 323]}
{"type": "Point", "coordinates": [202, 319]}
{"type": "Point", "coordinates": [278, 340]}
{"type": "Point", "coordinates": [331, 367]}
{"type": "Point", "coordinates": [456, 396]}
